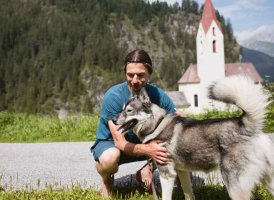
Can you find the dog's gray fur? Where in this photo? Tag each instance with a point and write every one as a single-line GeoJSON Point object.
{"type": "Point", "coordinates": [237, 145]}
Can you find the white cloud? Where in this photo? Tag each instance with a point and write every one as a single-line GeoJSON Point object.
{"type": "Point", "coordinates": [233, 10]}
{"type": "Point", "coordinates": [243, 15]}
{"type": "Point", "coordinates": [229, 11]}
{"type": "Point", "coordinates": [263, 33]}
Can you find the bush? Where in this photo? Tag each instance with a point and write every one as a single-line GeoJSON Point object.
{"type": "Point", "coordinates": [269, 122]}
{"type": "Point", "coordinates": [269, 119]}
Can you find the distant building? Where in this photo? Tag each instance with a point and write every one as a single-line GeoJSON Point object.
{"type": "Point", "coordinates": [210, 63]}
{"type": "Point", "coordinates": [178, 99]}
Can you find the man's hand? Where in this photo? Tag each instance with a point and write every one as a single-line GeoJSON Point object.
{"type": "Point", "coordinates": [181, 114]}
{"type": "Point", "coordinates": [157, 151]}
{"type": "Point", "coordinates": [119, 140]}
{"type": "Point", "coordinates": [154, 149]}
{"type": "Point", "coordinates": [118, 137]}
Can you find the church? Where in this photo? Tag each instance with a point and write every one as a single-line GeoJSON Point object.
{"type": "Point", "coordinates": [210, 65]}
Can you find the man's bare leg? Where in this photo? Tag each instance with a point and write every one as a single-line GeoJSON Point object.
{"type": "Point", "coordinates": [106, 167]}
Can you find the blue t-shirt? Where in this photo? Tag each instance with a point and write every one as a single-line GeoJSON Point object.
{"type": "Point", "coordinates": [117, 96]}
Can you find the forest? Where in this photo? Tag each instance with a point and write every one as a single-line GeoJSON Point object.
{"type": "Point", "coordinates": [64, 54]}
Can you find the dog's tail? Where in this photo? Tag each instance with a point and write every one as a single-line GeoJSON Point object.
{"type": "Point", "coordinates": [243, 92]}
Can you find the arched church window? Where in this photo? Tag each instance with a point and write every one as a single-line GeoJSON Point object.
{"type": "Point", "coordinates": [201, 47]}
{"type": "Point", "coordinates": [213, 31]}
{"type": "Point", "coordinates": [214, 46]}
{"type": "Point", "coordinates": [196, 100]}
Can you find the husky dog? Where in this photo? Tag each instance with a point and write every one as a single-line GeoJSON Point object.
{"type": "Point", "coordinates": [236, 145]}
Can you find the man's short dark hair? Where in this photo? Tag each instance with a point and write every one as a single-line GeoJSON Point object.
{"type": "Point", "coordinates": [139, 56]}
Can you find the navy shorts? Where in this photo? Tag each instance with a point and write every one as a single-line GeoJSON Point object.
{"type": "Point", "coordinates": [101, 145]}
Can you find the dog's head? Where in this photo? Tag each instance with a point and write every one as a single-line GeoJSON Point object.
{"type": "Point", "coordinates": [135, 114]}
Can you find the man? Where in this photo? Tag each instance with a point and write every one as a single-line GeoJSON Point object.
{"type": "Point", "coordinates": [113, 148]}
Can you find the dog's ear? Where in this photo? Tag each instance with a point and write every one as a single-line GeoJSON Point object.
{"type": "Point", "coordinates": [144, 97]}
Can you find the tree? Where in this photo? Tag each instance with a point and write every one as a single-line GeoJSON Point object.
{"type": "Point", "coordinates": [186, 5]}
{"type": "Point", "coordinates": [194, 8]}
{"type": "Point", "coordinates": [47, 46]}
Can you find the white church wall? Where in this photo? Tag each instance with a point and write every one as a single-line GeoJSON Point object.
{"type": "Point", "coordinates": [190, 91]}
{"type": "Point", "coordinates": [200, 38]}
{"type": "Point", "coordinates": [211, 65]}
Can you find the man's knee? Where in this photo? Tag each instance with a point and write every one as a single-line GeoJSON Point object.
{"type": "Point", "coordinates": [110, 158]}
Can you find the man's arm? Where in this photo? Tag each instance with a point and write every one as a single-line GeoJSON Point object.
{"type": "Point", "coordinates": [154, 149]}
{"type": "Point", "coordinates": [181, 114]}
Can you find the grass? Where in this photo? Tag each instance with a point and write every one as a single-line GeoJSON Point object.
{"type": "Point", "coordinates": [73, 193]}
{"type": "Point", "coordinates": [22, 127]}
{"type": "Point", "coordinates": [201, 192]}
{"type": "Point", "coordinates": [269, 117]}
{"type": "Point", "coordinates": [122, 190]}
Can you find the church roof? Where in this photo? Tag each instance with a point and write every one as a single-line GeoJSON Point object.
{"type": "Point", "coordinates": [178, 98]}
{"type": "Point", "coordinates": [243, 68]}
{"type": "Point", "coordinates": [191, 74]}
{"type": "Point", "coordinates": [209, 16]}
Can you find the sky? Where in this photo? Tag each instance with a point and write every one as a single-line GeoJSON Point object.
{"type": "Point", "coordinates": [249, 18]}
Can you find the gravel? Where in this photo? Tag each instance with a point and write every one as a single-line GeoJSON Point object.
{"type": "Point", "coordinates": [61, 165]}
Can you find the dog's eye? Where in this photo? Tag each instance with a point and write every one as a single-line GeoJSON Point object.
{"type": "Point", "coordinates": [129, 110]}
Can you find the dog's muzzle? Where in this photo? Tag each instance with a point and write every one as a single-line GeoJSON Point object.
{"type": "Point", "coordinates": [128, 125]}
{"type": "Point", "coordinates": [114, 119]}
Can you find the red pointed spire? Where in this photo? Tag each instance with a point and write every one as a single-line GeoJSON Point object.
{"type": "Point", "coordinates": [209, 16]}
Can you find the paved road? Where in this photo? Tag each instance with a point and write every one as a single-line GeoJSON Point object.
{"type": "Point", "coordinates": [59, 164]}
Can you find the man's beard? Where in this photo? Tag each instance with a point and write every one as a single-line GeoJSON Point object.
{"type": "Point", "coordinates": [136, 87]}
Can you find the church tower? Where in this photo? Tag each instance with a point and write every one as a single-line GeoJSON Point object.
{"type": "Point", "coordinates": [210, 64]}
{"type": "Point", "coordinates": [210, 49]}
{"type": "Point", "coordinates": [210, 46]}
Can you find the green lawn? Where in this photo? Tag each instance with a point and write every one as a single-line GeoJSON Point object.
{"type": "Point", "coordinates": [208, 192]}
{"type": "Point", "coordinates": [22, 127]}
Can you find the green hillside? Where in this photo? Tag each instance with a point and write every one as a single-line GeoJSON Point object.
{"type": "Point", "coordinates": [64, 54]}
{"type": "Point", "coordinates": [263, 63]}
